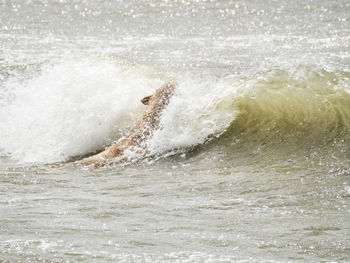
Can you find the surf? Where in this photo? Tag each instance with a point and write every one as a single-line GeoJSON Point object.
{"type": "Point", "coordinates": [305, 102]}
{"type": "Point", "coordinates": [70, 109]}
{"type": "Point", "coordinates": [77, 108]}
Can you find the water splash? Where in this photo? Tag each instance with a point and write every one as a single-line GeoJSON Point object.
{"type": "Point", "coordinates": [71, 109]}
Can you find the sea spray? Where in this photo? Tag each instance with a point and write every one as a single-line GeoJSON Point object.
{"type": "Point", "coordinates": [201, 108]}
{"type": "Point", "coordinates": [71, 109]}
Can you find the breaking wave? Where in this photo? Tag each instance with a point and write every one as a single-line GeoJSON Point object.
{"type": "Point", "coordinates": [307, 103]}
{"type": "Point", "coordinates": [76, 108]}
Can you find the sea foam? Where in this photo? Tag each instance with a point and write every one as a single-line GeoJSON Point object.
{"type": "Point", "coordinates": [71, 109]}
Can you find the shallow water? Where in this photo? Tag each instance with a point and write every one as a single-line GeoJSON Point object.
{"type": "Point", "coordinates": [252, 161]}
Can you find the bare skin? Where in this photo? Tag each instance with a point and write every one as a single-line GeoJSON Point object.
{"type": "Point", "coordinates": [135, 143]}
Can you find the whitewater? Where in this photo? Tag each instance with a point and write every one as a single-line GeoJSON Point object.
{"type": "Point", "coordinates": [251, 161]}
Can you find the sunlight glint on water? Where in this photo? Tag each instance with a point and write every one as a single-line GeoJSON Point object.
{"type": "Point", "coordinates": [251, 164]}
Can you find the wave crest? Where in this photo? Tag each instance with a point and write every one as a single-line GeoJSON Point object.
{"type": "Point", "coordinates": [306, 101]}
{"type": "Point", "coordinates": [275, 105]}
{"type": "Point", "coordinates": [75, 108]}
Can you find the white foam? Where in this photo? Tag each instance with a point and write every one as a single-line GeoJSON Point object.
{"type": "Point", "coordinates": [71, 109]}
{"type": "Point", "coordinates": [199, 108]}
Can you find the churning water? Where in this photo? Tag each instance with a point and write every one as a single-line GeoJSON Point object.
{"type": "Point", "coordinates": [252, 162]}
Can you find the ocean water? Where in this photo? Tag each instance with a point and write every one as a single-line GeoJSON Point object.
{"type": "Point", "coordinates": [252, 163]}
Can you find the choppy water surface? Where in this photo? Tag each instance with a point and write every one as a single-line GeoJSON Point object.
{"type": "Point", "coordinates": [252, 163]}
